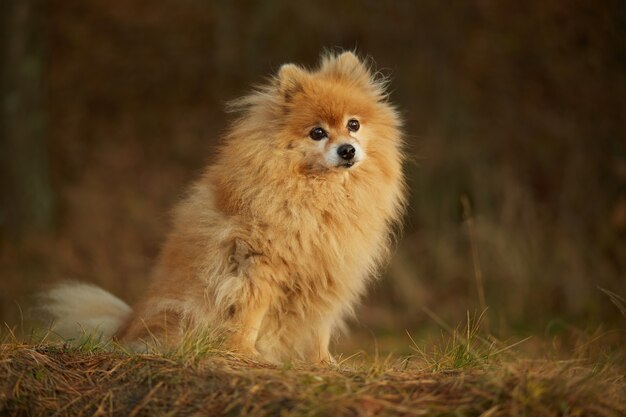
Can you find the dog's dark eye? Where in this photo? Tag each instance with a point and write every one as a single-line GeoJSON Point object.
{"type": "Point", "coordinates": [353, 125]}
{"type": "Point", "coordinates": [318, 133]}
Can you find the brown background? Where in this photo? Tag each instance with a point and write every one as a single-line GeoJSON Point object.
{"type": "Point", "coordinates": [517, 105]}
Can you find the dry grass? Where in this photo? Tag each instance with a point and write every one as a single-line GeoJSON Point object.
{"type": "Point", "coordinates": [465, 376]}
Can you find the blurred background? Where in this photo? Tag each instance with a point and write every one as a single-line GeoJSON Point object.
{"type": "Point", "coordinates": [515, 119]}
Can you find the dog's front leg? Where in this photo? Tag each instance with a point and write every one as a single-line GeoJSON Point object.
{"type": "Point", "coordinates": [243, 324]}
{"type": "Point", "coordinates": [245, 298]}
{"type": "Point", "coordinates": [318, 351]}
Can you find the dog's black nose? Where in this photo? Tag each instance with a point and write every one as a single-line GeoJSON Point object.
{"type": "Point", "coordinates": [346, 151]}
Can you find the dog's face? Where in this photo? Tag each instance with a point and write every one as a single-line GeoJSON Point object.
{"type": "Point", "coordinates": [311, 135]}
{"type": "Point", "coordinates": [329, 116]}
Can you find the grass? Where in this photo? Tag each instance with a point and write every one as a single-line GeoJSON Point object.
{"type": "Point", "coordinates": [465, 374]}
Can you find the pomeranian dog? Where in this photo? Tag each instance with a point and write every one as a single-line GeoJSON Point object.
{"type": "Point", "coordinates": [277, 241]}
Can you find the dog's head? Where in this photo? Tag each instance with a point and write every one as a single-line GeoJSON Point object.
{"type": "Point", "coordinates": [330, 119]}
{"type": "Point", "coordinates": [331, 114]}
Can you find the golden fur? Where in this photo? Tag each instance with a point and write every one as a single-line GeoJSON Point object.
{"type": "Point", "coordinates": [273, 247]}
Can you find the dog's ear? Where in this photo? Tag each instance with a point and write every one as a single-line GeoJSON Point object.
{"type": "Point", "coordinates": [346, 66]}
{"type": "Point", "coordinates": [290, 79]}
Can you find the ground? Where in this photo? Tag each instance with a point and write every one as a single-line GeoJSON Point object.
{"type": "Point", "coordinates": [461, 378]}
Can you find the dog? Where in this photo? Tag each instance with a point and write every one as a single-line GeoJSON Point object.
{"type": "Point", "coordinates": [275, 244]}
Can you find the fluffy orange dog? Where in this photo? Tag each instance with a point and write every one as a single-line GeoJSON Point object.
{"type": "Point", "coordinates": [277, 241]}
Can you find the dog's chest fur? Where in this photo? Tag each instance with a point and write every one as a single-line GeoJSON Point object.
{"type": "Point", "coordinates": [321, 251]}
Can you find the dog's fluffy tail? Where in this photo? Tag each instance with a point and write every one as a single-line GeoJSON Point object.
{"type": "Point", "coordinates": [78, 309]}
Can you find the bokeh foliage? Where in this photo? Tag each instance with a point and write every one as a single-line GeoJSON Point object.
{"type": "Point", "coordinates": [517, 107]}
